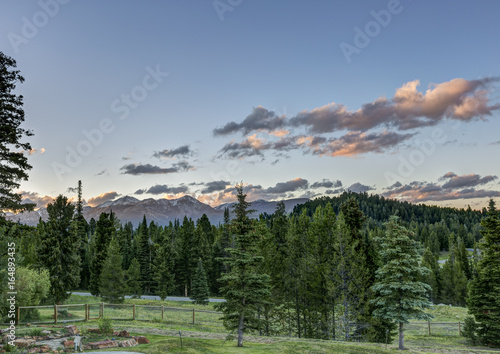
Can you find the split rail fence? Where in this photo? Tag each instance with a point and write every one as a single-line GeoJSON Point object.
{"type": "Point", "coordinates": [119, 312]}
{"type": "Point", "coordinates": [171, 315]}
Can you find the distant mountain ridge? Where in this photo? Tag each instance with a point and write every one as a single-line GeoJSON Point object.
{"type": "Point", "coordinates": [161, 211]}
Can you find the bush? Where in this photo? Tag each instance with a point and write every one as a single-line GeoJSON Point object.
{"type": "Point", "coordinates": [470, 330]}
{"type": "Point", "coordinates": [35, 332]}
{"type": "Point", "coordinates": [105, 326]}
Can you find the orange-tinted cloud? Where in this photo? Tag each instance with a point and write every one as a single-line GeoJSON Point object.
{"type": "Point", "coordinates": [102, 198]}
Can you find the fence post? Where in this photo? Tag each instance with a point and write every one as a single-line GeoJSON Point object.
{"type": "Point", "coordinates": [17, 315]}
{"type": "Point", "coordinates": [193, 316]}
{"type": "Point", "coordinates": [459, 329]}
{"type": "Point", "coordinates": [101, 310]}
{"type": "Point", "coordinates": [133, 313]}
{"type": "Point", "coordinates": [429, 322]}
{"type": "Point", "coordinates": [162, 308]}
{"type": "Point", "coordinates": [55, 313]}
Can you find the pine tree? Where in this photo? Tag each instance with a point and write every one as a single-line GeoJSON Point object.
{"type": "Point", "coordinates": [399, 296]}
{"type": "Point", "coordinates": [164, 275]}
{"type": "Point", "coordinates": [112, 283]}
{"type": "Point", "coordinates": [105, 229]}
{"type": "Point", "coordinates": [81, 229]}
{"type": "Point", "coordinates": [186, 260]}
{"type": "Point", "coordinates": [244, 288]}
{"type": "Point", "coordinates": [144, 256]}
{"type": "Point", "coordinates": [433, 279]}
{"type": "Point", "coordinates": [199, 292]}
{"type": "Point", "coordinates": [13, 162]}
{"type": "Point", "coordinates": [133, 279]}
{"type": "Point", "coordinates": [351, 277]}
{"type": "Point", "coordinates": [59, 249]}
{"type": "Point", "coordinates": [484, 292]}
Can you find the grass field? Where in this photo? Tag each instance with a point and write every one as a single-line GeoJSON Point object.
{"type": "Point", "coordinates": [208, 334]}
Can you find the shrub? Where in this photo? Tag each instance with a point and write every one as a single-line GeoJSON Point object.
{"type": "Point", "coordinates": [470, 330]}
{"type": "Point", "coordinates": [35, 332]}
{"type": "Point", "coordinates": [105, 326]}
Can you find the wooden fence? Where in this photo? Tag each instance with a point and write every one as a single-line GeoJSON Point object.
{"type": "Point", "coordinates": [181, 316]}
{"type": "Point", "coordinates": [120, 312]}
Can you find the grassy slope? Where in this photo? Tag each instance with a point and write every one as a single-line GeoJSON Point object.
{"type": "Point", "coordinates": [199, 338]}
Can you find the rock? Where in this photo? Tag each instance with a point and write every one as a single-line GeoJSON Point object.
{"type": "Point", "coordinates": [69, 344]}
{"type": "Point", "coordinates": [128, 343]}
{"type": "Point", "coordinates": [23, 343]}
{"type": "Point", "coordinates": [103, 344]}
{"type": "Point", "coordinates": [46, 332]}
{"type": "Point", "coordinates": [142, 340]}
{"type": "Point", "coordinates": [94, 330]}
{"type": "Point", "coordinates": [123, 333]}
{"type": "Point", "coordinates": [72, 330]}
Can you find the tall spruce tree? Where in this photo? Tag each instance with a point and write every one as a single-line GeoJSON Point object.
{"type": "Point", "coordinates": [433, 279]}
{"type": "Point", "coordinates": [104, 232]}
{"type": "Point", "coordinates": [82, 231]}
{"type": "Point", "coordinates": [133, 279]}
{"type": "Point", "coordinates": [112, 286]}
{"type": "Point", "coordinates": [484, 293]}
{"type": "Point", "coordinates": [163, 266]}
{"type": "Point", "coordinates": [144, 256]}
{"type": "Point", "coordinates": [244, 289]}
{"type": "Point", "coordinates": [350, 279]}
{"type": "Point", "coordinates": [199, 292]}
{"type": "Point", "coordinates": [186, 260]}
{"type": "Point", "coordinates": [13, 162]}
{"type": "Point", "coordinates": [59, 249]}
{"type": "Point", "coordinates": [398, 294]}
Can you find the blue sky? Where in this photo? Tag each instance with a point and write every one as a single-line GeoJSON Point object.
{"type": "Point", "coordinates": [322, 96]}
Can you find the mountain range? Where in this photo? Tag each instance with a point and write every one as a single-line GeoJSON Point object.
{"type": "Point", "coordinates": [161, 211]}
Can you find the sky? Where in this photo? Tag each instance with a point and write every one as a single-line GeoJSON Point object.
{"type": "Point", "coordinates": [161, 99]}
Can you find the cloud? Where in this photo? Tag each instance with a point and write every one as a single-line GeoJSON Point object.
{"type": "Point", "coordinates": [470, 180]}
{"type": "Point", "coordinates": [335, 191]}
{"type": "Point", "coordinates": [289, 186]}
{"type": "Point", "coordinates": [259, 119]}
{"type": "Point", "coordinates": [72, 190]}
{"type": "Point", "coordinates": [359, 188]}
{"type": "Point", "coordinates": [495, 143]}
{"type": "Point", "coordinates": [325, 183]}
{"type": "Point", "coordinates": [139, 169]}
{"type": "Point", "coordinates": [182, 151]}
{"type": "Point", "coordinates": [458, 99]}
{"type": "Point", "coordinates": [39, 200]}
{"type": "Point", "coordinates": [351, 144]}
{"type": "Point", "coordinates": [454, 187]}
{"type": "Point", "coordinates": [357, 143]}
{"type": "Point", "coordinates": [163, 188]}
{"type": "Point", "coordinates": [102, 198]}
{"type": "Point", "coordinates": [215, 186]}
{"type": "Point", "coordinates": [101, 172]}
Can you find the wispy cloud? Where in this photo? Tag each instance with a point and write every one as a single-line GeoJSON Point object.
{"type": "Point", "coordinates": [182, 151]}
{"type": "Point", "coordinates": [102, 198]}
{"type": "Point", "coordinates": [359, 188]}
{"type": "Point", "coordinates": [163, 189]}
{"type": "Point", "coordinates": [455, 187]}
{"type": "Point", "coordinates": [140, 169]}
{"type": "Point", "coordinates": [259, 119]}
{"type": "Point", "coordinates": [377, 127]}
